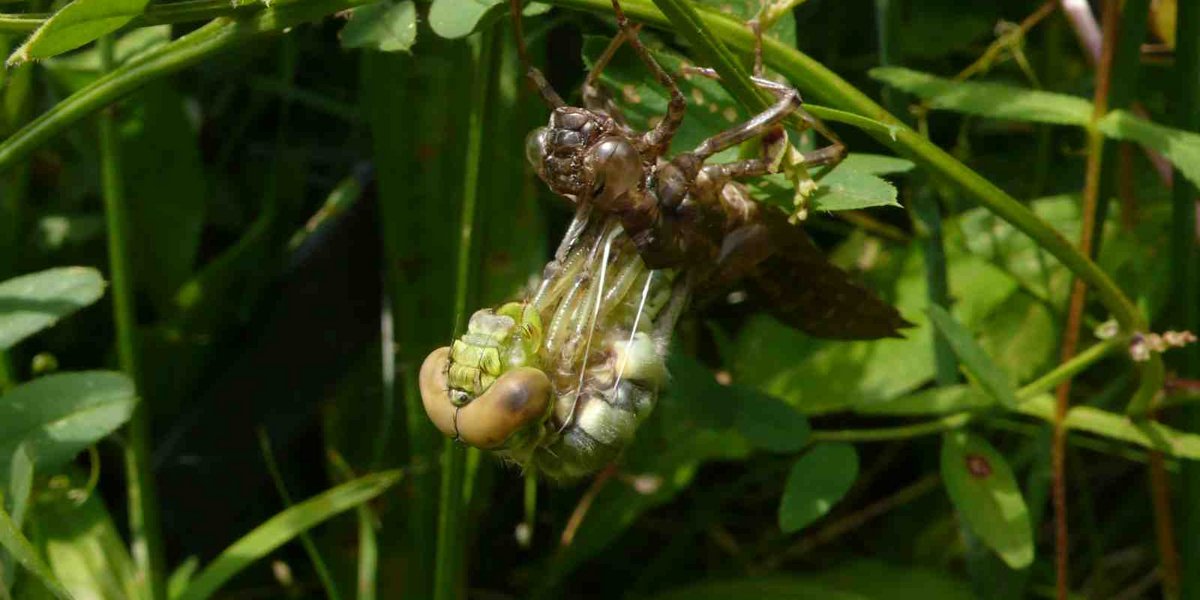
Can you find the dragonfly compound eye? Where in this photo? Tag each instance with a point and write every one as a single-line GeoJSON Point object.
{"type": "Point", "coordinates": [535, 147]}
{"type": "Point", "coordinates": [515, 402]}
{"type": "Point", "coordinates": [617, 169]}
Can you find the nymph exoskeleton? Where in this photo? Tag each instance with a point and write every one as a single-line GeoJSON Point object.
{"type": "Point", "coordinates": [559, 382]}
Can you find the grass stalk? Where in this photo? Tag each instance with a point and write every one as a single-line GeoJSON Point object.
{"type": "Point", "coordinates": [1185, 268]}
{"type": "Point", "coordinates": [144, 525]}
{"type": "Point", "coordinates": [451, 544]}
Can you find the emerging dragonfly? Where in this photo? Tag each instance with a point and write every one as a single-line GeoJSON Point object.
{"type": "Point", "coordinates": [559, 382]}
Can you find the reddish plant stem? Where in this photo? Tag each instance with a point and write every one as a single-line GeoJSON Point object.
{"type": "Point", "coordinates": [1091, 191]}
{"type": "Point", "coordinates": [1160, 496]}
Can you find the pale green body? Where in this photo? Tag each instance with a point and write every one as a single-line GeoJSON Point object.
{"type": "Point", "coordinates": [598, 324]}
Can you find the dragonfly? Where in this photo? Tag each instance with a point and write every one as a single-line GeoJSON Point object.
{"type": "Point", "coordinates": [559, 381]}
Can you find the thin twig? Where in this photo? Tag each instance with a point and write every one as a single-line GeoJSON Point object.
{"type": "Point", "coordinates": [1091, 191]}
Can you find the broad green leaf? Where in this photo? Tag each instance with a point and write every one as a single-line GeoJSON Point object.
{"type": "Point", "coordinates": [842, 189]}
{"type": "Point", "coordinates": [875, 164]}
{"type": "Point", "coordinates": [19, 547]}
{"type": "Point", "coordinates": [848, 189]}
{"type": "Point", "coordinates": [777, 587]}
{"type": "Point", "coordinates": [81, 543]}
{"type": "Point", "coordinates": [31, 303]}
{"type": "Point", "coordinates": [993, 381]}
{"type": "Point", "coordinates": [993, 100]}
{"type": "Point", "coordinates": [1021, 336]}
{"type": "Point", "coordinates": [386, 26]}
{"type": "Point", "coordinates": [284, 527]}
{"type": "Point", "coordinates": [78, 23]}
{"type": "Point", "coordinates": [769, 423]}
{"type": "Point", "coordinates": [59, 415]}
{"type": "Point", "coordinates": [981, 485]}
{"type": "Point", "coordinates": [817, 481]}
{"type": "Point", "coordinates": [459, 18]}
{"type": "Point", "coordinates": [1180, 147]}
{"type": "Point", "coordinates": [933, 401]}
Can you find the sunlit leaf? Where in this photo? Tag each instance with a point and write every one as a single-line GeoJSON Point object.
{"type": "Point", "coordinates": [59, 415]}
{"type": "Point", "coordinates": [453, 19]}
{"type": "Point", "coordinates": [284, 527]}
{"type": "Point", "coordinates": [994, 381]}
{"type": "Point", "coordinates": [31, 303]}
{"type": "Point", "coordinates": [994, 100]}
{"type": "Point", "coordinates": [458, 18]}
{"type": "Point", "coordinates": [981, 485]}
{"type": "Point", "coordinates": [76, 24]}
{"type": "Point", "coordinates": [1180, 147]}
{"type": "Point", "coordinates": [387, 26]}
{"type": "Point", "coordinates": [817, 481]}
{"type": "Point", "coordinates": [875, 164]}
{"type": "Point", "coordinates": [848, 189]}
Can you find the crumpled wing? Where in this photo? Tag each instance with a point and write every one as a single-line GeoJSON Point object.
{"type": "Point", "coordinates": [789, 274]}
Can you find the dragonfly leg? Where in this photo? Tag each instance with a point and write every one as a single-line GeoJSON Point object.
{"type": "Point", "coordinates": [788, 103]}
{"type": "Point", "coordinates": [656, 141]}
{"type": "Point", "coordinates": [595, 97]}
{"type": "Point", "coordinates": [536, 79]}
{"type": "Point", "coordinates": [827, 155]}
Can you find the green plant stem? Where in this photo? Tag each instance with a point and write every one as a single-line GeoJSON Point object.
{"type": "Point", "coordinates": [213, 38]}
{"type": "Point", "coordinates": [451, 544]}
{"type": "Point", "coordinates": [144, 525]}
{"type": "Point", "coordinates": [1185, 269]}
{"type": "Point", "coordinates": [823, 85]}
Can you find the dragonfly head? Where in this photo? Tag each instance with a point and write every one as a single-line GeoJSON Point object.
{"type": "Point", "coordinates": [580, 154]}
{"type": "Point", "coordinates": [486, 389]}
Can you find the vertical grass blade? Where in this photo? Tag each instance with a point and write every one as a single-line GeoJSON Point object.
{"type": "Point", "coordinates": [1185, 268]}
{"type": "Point", "coordinates": [144, 525]}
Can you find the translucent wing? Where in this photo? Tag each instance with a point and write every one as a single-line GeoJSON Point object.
{"type": "Point", "coordinates": [785, 270]}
